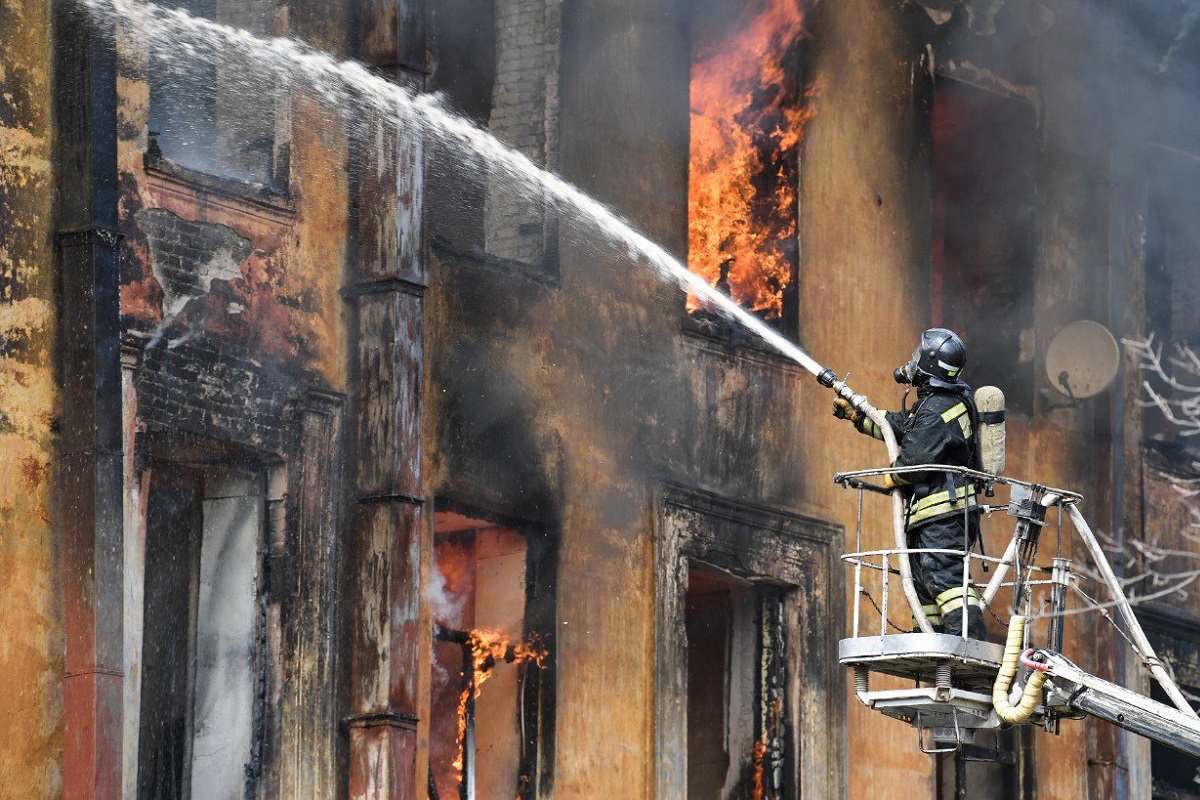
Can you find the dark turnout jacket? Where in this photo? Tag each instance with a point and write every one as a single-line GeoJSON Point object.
{"type": "Point", "coordinates": [938, 429]}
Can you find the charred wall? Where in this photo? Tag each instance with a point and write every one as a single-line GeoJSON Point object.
{"type": "Point", "coordinates": [864, 285]}
{"type": "Point", "coordinates": [235, 362]}
{"type": "Point", "coordinates": [570, 398]}
{"type": "Point", "coordinates": [223, 393]}
{"type": "Point", "coordinates": [587, 389]}
{"type": "Point", "coordinates": [225, 256]}
{"type": "Point", "coordinates": [1054, 66]}
{"type": "Point", "coordinates": [566, 386]}
{"type": "Point", "coordinates": [1104, 88]}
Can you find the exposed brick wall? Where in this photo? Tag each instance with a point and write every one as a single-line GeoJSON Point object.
{"type": "Point", "coordinates": [525, 116]}
{"type": "Point", "coordinates": [211, 370]}
{"type": "Point", "coordinates": [188, 256]}
{"type": "Point", "coordinates": [218, 390]}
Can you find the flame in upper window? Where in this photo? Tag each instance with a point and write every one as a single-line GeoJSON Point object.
{"type": "Point", "coordinates": [747, 117]}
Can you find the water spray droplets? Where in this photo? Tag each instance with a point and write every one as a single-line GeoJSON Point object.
{"type": "Point", "coordinates": [351, 89]}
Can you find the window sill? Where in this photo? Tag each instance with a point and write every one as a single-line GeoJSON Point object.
{"type": "Point", "coordinates": [716, 334]}
{"type": "Point", "coordinates": [272, 201]}
{"type": "Point", "coordinates": [544, 272]}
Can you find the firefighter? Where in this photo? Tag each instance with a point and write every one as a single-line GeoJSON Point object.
{"type": "Point", "coordinates": [941, 507]}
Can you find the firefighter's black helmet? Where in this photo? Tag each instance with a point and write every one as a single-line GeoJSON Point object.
{"type": "Point", "coordinates": [940, 359]}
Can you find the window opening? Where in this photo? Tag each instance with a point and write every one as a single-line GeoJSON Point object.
{"type": "Point", "coordinates": [217, 117]}
{"type": "Point", "coordinates": [988, 766]}
{"type": "Point", "coordinates": [483, 652]}
{"type": "Point", "coordinates": [984, 161]}
{"type": "Point", "coordinates": [498, 62]}
{"type": "Point", "coordinates": [1173, 775]}
{"type": "Point", "coordinates": [202, 653]}
{"type": "Point", "coordinates": [736, 688]}
{"type": "Point", "coordinates": [464, 46]}
{"type": "Point", "coordinates": [1172, 260]}
{"type": "Point", "coordinates": [748, 111]}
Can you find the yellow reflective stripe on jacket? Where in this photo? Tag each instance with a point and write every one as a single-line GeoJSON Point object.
{"type": "Point", "coordinates": [954, 412]}
{"type": "Point", "coordinates": [959, 412]}
{"type": "Point", "coordinates": [941, 503]}
{"type": "Point", "coordinates": [943, 498]}
{"type": "Point", "coordinates": [952, 600]}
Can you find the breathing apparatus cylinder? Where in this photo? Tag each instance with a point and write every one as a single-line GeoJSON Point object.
{"type": "Point", "coordinates": [989, 402]}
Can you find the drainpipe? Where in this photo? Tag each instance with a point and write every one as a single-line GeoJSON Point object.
{"type": "Point", "coordinates": [90, 517]}
{"type": "Point", "coordinates": [386, 298]}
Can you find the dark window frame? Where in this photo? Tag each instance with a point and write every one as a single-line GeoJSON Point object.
{"type": "Point", "coordinates": [197, 461]}
{"type": "Point", "coordinates": [226, 176]}
{"type": "Point", "coordinates": [538, 691]}
{"type": "Point", "coordinates": [1176, 640]}
{"type": "Point", "coordinates": [796, 554]}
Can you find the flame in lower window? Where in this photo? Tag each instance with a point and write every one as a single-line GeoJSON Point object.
{"type": "Point", "coordinates": [760, 751]}
{"type": "Point", "coordinates": [747, 117]}
{"type": "Point", "coordinates": [487, 648]}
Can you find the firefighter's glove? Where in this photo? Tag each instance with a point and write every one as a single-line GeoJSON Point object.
{"type": "Point", "coordinates": [843, 410]}
{"type": "Point", "coordinates": [889, 481]}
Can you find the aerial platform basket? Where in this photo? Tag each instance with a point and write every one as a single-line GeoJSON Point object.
{"type": "Point", "coordinates": [952, 678]}
{"type": "Point", "coordinates": [925, 658]}
{"type": "Point", "coordinates": [951, 686]}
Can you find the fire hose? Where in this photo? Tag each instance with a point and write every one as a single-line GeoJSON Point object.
{"type": "Point", "coordinates": [829, 379]}
{"type": "Point", "coordinates": [1032, 695]}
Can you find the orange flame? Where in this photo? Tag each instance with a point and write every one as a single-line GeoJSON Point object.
{"type": "Point", "coordinates": [759, 757]}
{"type": "Point", "coordinates": [760, 751]}
{"type": "Point", "coordinates": [747, 116]}
{"type": "Point", "coordinates": [487, 648]}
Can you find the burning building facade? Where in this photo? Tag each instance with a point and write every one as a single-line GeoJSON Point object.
{"type": "Point", "coordinates": [336, 463]}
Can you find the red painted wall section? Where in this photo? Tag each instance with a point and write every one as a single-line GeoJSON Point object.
{"type": "Point", "coordinates": [282, 299]}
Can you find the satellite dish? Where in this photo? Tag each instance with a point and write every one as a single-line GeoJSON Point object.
{"type": "Point", "coordinates": [1082, 359]}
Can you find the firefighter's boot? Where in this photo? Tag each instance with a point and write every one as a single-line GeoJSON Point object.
{"type": "Point", "coordinates": [951, 602]}
{"type": "Point", "coordinates": [975, 626]}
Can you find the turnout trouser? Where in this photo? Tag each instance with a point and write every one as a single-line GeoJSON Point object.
{"type": "Point", "coordinates": [939, 576]}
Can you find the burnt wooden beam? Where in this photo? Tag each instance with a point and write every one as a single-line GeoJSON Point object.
{"type": "Point", "coordinates": [311, 602]}
{"type": "Point", "coordinates": [539, 685]}
{"type": "Point", "coordinates": [386, 298]}
{"type": "Point", "coordinates": [90, 445]}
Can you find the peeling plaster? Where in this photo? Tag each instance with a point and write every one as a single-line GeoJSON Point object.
{"type": "Point", "coordinates": [31, 623]}
{"type": "Point", "coordinates": [24, 157]}
{"type": "Point", "coordinates": [186, 280]}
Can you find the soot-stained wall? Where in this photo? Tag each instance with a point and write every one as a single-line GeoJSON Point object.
{"type": "Point", "coordinates": [206, 256]}
{"type": "Point", "coordinates": [569, 400]}
{"type": "Point", "coordinates": [235, 344]}
{"type": "Point", "coordinates": [864, 277]}
{"type": "Point", "coordinates": [574, 403]}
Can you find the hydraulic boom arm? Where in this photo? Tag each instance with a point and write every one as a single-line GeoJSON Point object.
{"type": "Point", "coordinates": [1070, 687]}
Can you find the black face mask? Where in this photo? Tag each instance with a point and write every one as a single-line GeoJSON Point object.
{"type": "Point", "coordinates": [908, 373]}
